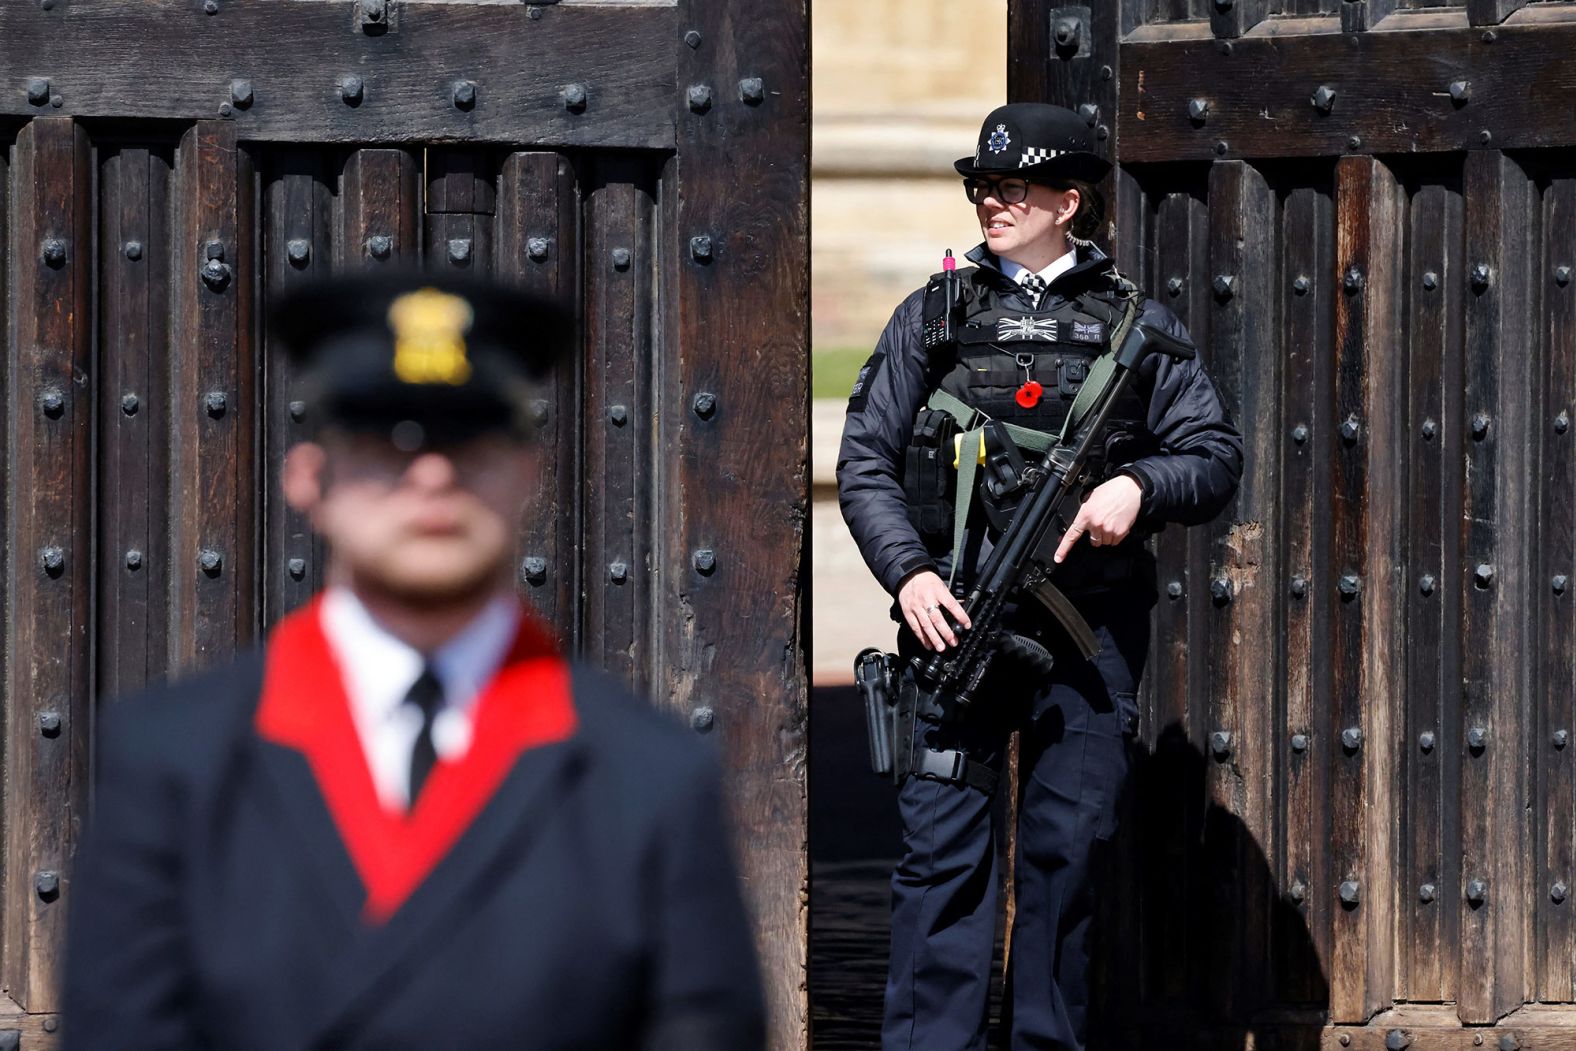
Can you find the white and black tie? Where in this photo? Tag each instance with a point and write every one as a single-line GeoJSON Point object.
{"type": "Point", "coordinates": [1033, 284]}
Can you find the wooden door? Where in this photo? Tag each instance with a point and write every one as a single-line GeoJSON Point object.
{"type": "Point", "coordinates": [172, 165]}
{"type": "Point", "coordinates": [1353, 819]}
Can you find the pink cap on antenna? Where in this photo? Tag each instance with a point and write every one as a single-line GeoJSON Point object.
{"type": "Point", "coordinates": [949, 263]}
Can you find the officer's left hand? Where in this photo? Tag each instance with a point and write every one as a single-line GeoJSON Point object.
{"type": "Point", "coordinates": [1107, 516]}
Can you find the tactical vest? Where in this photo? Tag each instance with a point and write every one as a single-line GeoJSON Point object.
{"type": "Point", "coordinates": [1021, 367]}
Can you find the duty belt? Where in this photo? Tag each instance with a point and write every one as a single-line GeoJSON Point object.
{"type": "Point", "coordinates": [951, 766]}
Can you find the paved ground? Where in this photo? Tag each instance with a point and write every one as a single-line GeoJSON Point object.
{"type": "Point", "coordinates": [849, 609]}
{"type": "Point", "coordinates": [854, 839]}
{"type": "Point", "coordinates": [848, 954]}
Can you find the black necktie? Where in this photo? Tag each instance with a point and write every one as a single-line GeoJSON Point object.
{"type": "Point", "coordinates": [427, 695]}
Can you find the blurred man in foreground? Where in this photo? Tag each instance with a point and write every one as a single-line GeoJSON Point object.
{"type": "Point", "coordinates": [407, 822]}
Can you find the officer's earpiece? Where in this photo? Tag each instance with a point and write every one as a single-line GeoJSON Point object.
{"type": "Point", "coordinates": [1090, 216]}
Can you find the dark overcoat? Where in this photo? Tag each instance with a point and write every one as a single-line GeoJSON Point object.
{"type": "Point", "coordinates": [566, 885]}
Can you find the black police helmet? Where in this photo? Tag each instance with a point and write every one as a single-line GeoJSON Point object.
{"type": "Point", "coordinates": [456, 356]}
{"type": "Point", "coordinates": [1033, 140]}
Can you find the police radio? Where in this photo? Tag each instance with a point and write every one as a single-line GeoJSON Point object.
{"type": "Point", "coordinates": [942, 296]}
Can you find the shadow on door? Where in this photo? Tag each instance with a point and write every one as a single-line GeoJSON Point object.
{"type": "Point", "coordinates": [1181, 963]}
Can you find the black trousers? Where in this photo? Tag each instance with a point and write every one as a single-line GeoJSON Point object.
{"type": "Point", "coordinates": [1078, 728]}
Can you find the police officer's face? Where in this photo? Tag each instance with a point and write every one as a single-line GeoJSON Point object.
{"type": "Point", "coordinates": [1031, 225]}
{"type": "Point", "coordinates": [432, 525]}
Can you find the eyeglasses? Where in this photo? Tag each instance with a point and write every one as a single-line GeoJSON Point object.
{"type": "Point", "coordinates": [1007, 191]}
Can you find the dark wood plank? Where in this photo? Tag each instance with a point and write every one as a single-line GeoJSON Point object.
{"type": "Point", "coordinates": [462, 180]}
{"type": "Point", "coordinates": [1196, 544]}
{"type": "Point", "coordinates": [1448, 891]}
{"type": "Point", "coordinates": [1348, 961]}
{"type": "Point", "coordinates": [1132, 241]}
{"type": "Point", "coordinates": [39, 1032]}
{"type": "Point", "coordinates": [1534, 1026]}
{"type": "Point", "coordinates": [1556, 784]}
{"type": "Point", "coordinates": [620, 458]}
{"type": "Point", "coordinates": [1029, 65]}
{"type": "Point", "coordinates": [298, 248]}
{"type": "Point", "coordinates": [168, 59]}
{"type": "Point", "coordinates": [736, 326]}
{"type": "Point", "coordinates": [1539, 1026]}
{"type": "Point", "coordinates": [1496, 584]}
{"type": "Point", "coordinates": [1119, 956]}
{"type": "Point", "coordinates": [459, 242]}
{"type": "Point", "coordinates": [1244, 596]}
{"type": "Point", "coordinates": [1358, 16]}
{"type": "Point", "coordinates": [1171, 792]}
{"type": "Point", "coordinates": [1197, 314]}
{"type": "Point", "coordinates": [1134, 13]}
{"type": "Point", "coordinates": [1238, 18]}
{"type": "Point", "coordinates": [460, 202]}
{"type": "Point", "coordinates": [378, 208]}
{"type": "Point", "coordinates": [538, 248]}
{"type": "Point", "coordinates": [1307, 7]}
{"type": "Point", "coordinates": [1492, 12]}
{"type": "Point", "coordinates": [1368, 473]}
{"type": "Point", "coordinates": [1080, 75]}
{"type": "Point", "coordinates": [213, 392]}
{"type": "Point", "coordinates": [1259, 93]}
{"type": "Point", "coordinates": [1309, 287]}
{"type": "Point", "coordinates": [49, 602]}
{"type": "Point", "coordinates": [1434, 291]}
{"type": "Point", "coordinates": [133, 410]}
{"type": "Point", "coordinates": [1544, 1034]}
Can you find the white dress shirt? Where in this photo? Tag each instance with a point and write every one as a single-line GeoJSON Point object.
{"type": "Point", "coordinates": [1054, 269]}
{"type": "Point", "coordinates": [379, 671]}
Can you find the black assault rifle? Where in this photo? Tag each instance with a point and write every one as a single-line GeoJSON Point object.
{"type": "Point", "coordinates": [941, 686]}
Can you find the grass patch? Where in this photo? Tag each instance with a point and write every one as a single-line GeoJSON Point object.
{"type": "Point", "coordinates": [832, 370]}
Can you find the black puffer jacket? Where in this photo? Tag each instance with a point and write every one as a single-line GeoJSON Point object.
{"type": "Point", "coordinates": [1190, 481]}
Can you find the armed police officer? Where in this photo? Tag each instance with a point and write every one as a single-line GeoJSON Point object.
{"type": "Point", "coordinates": [1013, 347]}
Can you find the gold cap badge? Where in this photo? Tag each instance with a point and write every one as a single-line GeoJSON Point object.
{"type": "Point", "coordinates": [429, 337]}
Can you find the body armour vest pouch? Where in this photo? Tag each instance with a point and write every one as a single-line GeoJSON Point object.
{"type": "Point", "coordinates": [929, 479]}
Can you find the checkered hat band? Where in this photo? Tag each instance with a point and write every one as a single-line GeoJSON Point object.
{"type": "Point", "coordinates": [1034, 155]}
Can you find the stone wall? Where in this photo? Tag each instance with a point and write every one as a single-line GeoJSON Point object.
{"type": "Point", "coordinates": [900, 88]}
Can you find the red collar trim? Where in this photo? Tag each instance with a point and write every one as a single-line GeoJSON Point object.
{"type": "Point", "coordinates": [304, 706]}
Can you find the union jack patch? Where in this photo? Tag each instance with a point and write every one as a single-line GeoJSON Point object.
{"type": "Point", "coordinates": [1087, 332]}
{"type": "Point", "coordinates": [1026, 328]}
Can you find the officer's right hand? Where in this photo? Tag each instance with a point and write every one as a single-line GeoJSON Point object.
{"type": "Point", "coordinates": [922, 598]}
